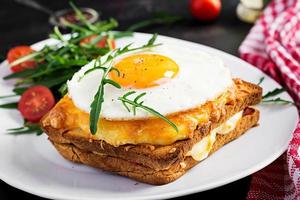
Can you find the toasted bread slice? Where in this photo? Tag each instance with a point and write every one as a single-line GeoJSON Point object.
{"type": "Point", "coordinates": [146, 174]}
{"type": "Point", "coordinates": [159, 157]}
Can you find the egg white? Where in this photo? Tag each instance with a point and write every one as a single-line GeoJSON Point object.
{"type": "Point", "coordinates": [201, 77]}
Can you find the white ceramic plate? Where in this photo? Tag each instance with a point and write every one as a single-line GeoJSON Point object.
{"type": "Point", "coordinates": [30, 163]}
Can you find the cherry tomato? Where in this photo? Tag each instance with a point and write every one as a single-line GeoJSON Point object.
{"type": "Point", "coordinates": [35, 102]}
{"type": "Point", "coordinates": [100, 44]}
{"type": "Point", "coordinates": [205, 10]}
{"type": "Point", "coordinates": [18, 52]}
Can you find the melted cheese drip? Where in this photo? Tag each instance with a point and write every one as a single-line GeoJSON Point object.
{"type": "Point", "coordinates": [201, 150]}
{"type": "Point", "coordinates": [230, 124]}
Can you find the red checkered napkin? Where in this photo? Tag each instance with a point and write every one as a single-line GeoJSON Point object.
{"type": "Point", "coordinates": [273, 45]}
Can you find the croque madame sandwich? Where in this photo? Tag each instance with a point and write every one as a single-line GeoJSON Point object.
{"type": "Point", "coordinates": [152, 112]}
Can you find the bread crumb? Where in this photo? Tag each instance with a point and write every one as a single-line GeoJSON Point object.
{"type": "Point", "coordinates": [101, 144]}
{"type": "Point", "coordinates": [151, 147]}
{"type": "Point", "coordinates": [245, 91]}
{"type": "Point", "coordinates": [182, 164]}
{"type": "Point", "coordinates": [172, 150]}
{"type": "Point", "coordinates": [238, 81]}
{"type": "Point", "coordinates": [54, 122]}
{"type": "Point", "coordinates": [127, 148]}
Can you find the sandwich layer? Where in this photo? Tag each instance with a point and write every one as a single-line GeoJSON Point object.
{"type": "Point", "coordinates": [157, 157]}
{"type": "Point", "coordinates": [147, 174]}
{"type": "Point", "coordinates": [65, 117]}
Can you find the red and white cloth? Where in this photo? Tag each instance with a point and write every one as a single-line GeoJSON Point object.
{"type": "Point", "coordinates": [273, 45]}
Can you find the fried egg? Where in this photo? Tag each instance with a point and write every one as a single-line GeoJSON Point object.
{"type": "Point", "coordinates": [174, 78]}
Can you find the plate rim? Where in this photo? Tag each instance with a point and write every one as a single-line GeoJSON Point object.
{"type": "Point", "coordinates": [185, 192]}
{"type": "Point", "coordinates": [17, 184]}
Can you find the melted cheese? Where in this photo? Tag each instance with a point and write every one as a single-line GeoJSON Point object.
{"type": "Point", "coordinates": [155, 131]}
{"type": "Point", "coordinates": [201, 150]}
{"type": "Point", "coordinates": [230, 124]}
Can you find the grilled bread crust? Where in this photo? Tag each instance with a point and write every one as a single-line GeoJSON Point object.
{"type": "Point", "coordinates": [155, 156]}
{"type": "Point", "coordinates": [146, 174]}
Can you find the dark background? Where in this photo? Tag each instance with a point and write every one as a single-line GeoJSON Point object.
{"type": "Point", "coordinates": [20, 25]}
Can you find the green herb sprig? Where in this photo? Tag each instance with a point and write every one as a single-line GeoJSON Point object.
{"type": "Point", "coordinates": [8, 96]}
{"type": "Point", "coordinates": [96, 105]}
{"type": "Point", "coordinates": [28, 128]}
{"type": "Point", "coordinates": [135, 103]}
{"type": "Point", "coordinates": [12, 105]}
{"type": "Point", "coordinates": [261, 80]}
{"type": "Point", "coordinates": [274, 93]}
{"type": "Point", "coordinates": [278, 100]}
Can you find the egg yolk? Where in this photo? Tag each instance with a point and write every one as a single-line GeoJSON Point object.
{"type": "Point", "coordinates": [144, 70]}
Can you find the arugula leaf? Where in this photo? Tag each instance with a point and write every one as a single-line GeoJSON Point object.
{"type": "Point", "coordinates": [15, 129]}
{"type": "Point", "coordinates": [274, 92]}
{"type": "Point", "coordinates": [135, 104]}
{"type": "Point", "coordinates": [96, 109]}
{"type": "Point", "coordinates": [19, 90]}
{"type": "Point", "coordinates": [120, 34]}
{"type": "Point", "coordinates": [63, 90]}
{"type": "Point", "coordinates": [56, 80]}
{"type": "Point", "coordinates": [96, 105]}
{"type": "Point", "coordinates": [20, 74]}
{"type": "Point", "coordinates": [25, 58]}
{"type": "Point", "coordinates": [278, 100]}
{"type": "Point", "coordinates": [261, 80]}
{"type": "Point", "coordinates": [28, 128]}
{"type": "Point", "coordinates": [113, 83]}
{"type": "Point", "coordinates": [74, 27]}
{"type": "Point", "coordinates": [152, 40]}
{"type": "Point", "coordinates": [13, 105]}
{"type": "Point", "coordinates": [8, 96]}
{"type": "Point", "coordinates": [57, 34]}
{"type": "Point", "coordinates": [80, 15]}
{"type": "Point", "coordinates": [63, 65]}
{"type": "Point", "coordinates": [106, 25]}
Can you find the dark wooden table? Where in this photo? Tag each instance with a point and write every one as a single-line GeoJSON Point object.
{"type": "Point", "coordinates": [23, 25]}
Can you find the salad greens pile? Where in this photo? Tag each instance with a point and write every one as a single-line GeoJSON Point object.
{"type": "Point", "coordinates": [55, 64]}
